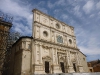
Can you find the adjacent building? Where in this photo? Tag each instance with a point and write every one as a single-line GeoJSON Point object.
{"type": "Point", "coordinates": [51, 49]}
{"type": "Point", "coordinates": [94, 66]}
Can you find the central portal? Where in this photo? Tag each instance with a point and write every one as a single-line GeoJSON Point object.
{"type": "Point", "coordinates": [46, 66]}
{"type": "Point", "coordinates": [62, 67]}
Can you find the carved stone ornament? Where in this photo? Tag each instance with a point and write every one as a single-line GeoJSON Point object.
{"type": "Point", "coordinates": [46, 57]}
{"type": "Point", "coordinates": [58, 26]}
{"type": "Point", "coordinates": [62, 59]}
{"type": "Point", "coordinates": [36, 42]}
{"type": "Point", "coordinates": [73, 60]}
{"type": "Point", "coordinates": [46, 46]}
{"type": "Point", "coordinates": [44, 20]}
{"type": "Point", "coordinates": [59, 39]}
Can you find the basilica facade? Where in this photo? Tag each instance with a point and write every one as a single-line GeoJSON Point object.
{"type": "Point", "coordinates": [51, 49]}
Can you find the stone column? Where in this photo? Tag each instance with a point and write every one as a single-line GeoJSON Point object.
{"type": "Point", "coordinates": [40, 52]}
{"type": "Point", "coordinates": [67, 57]}
{"type": "Point", "coordinates": [52, 55]}
{"type": "Point", "coordinates": [56, 67]}
{"type": "Point", "coordinates": [67, 40]}
{"type": "Point", "coordinates": [69, 62]}
{"type": "Point", "coordinates": [35, 53]}
{"type": "Point", "coordinates": [70, 69]}
{"type": "Point", "coordinates": [32, 56]}
{"type": "Point", "coordinates": [77, 58]}
{"type": "Point", "coordinates": [32, 53]}
{"type": "Point", "coordinates": [80, 69]}
{"type": "Point", "coordinates": [56, 57]}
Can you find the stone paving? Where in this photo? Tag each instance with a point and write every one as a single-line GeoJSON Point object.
{"type": "Point", "coordinates": [95, 73]}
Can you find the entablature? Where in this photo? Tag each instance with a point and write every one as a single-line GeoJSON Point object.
{"type": "Point", "coordinates": [51, 28]}
{"type": "Point", "coordinates": [53, 45]}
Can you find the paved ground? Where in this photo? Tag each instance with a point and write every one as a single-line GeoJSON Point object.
{"type": "Point", "coordinates": [96, 73]}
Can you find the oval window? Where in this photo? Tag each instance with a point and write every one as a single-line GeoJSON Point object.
{"type": "Point", "coordinates": [70, 41]}
{"type": "Point", "coordinates": [45, 33]}
{"type": "Point", "coordinates": [57, 26]}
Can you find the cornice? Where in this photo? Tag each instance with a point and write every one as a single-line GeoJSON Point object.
{"type": "Point", "coordinates": [36, 10]}
{"type": "Point", "coordinates": [54, 44]}
{"type": "Point", "coordinates": [52, 28]}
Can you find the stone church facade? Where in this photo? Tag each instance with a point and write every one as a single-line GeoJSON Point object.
{"type": "Point", "coordinates": [51, 49]}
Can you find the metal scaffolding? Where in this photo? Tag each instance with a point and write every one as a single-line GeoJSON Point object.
{"type": "Point", "coordinates": [5, 25]}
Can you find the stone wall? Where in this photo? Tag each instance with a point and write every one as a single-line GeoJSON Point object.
{"type": "Point", "coordinates": [83, 61]}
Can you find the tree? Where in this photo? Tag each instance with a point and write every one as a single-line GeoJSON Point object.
{"type": "Point", "coordinates": [98, 61]}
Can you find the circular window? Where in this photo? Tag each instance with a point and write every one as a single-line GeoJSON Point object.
{"type": "Point", "coordinates": [45, 33]}
{"type": "Point", "coordinates": [57, 26]}
{"type": "Point", "coordinates": [70, 41]}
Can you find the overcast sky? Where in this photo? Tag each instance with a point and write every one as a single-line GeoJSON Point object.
{"type": "Point", "coordinates": [83, 15]}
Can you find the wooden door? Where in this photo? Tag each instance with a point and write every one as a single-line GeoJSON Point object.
{"type": "Point", "coordinates": [46, 66]}
{"type": "Point", "coordinates": [62, 67]}
{"type": "Point", "coordinates": [74, 66]}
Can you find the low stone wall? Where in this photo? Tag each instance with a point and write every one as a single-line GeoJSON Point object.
{"type": "Point", "coordinates": [95, 73]}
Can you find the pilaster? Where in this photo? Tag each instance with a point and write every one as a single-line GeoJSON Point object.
{"type": "Point", "coordinates": [70, 66]}
{"type": "Point", "coordinates": [35, 53]}
{"type": "Point", "coordinates": [56, 57]}
{"type": "Point", "coordinates": [78, 63]}
{"type": "Point", "coordinates": [67, 62]}
{"type": "Point", "coordinates": [52, 56]}
{"type": "Point", "coordinates": [69, 58]}
{"type": "Point", "coordinates": [40, 52]}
